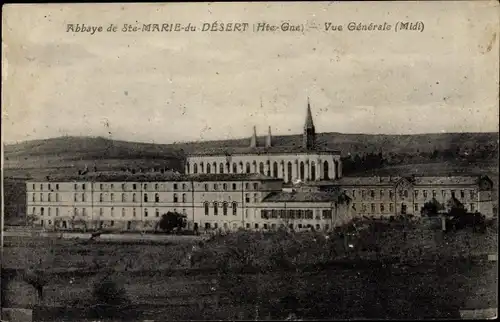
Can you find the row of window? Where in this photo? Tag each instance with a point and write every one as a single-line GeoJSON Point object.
{"type": "Point", "coordinates": [425, 194]}
{"type": "Point", "coordinates": [266, 226]}
{"type": "Point", "coordinates": [224, 186]}
{"type": "Point", "coordinates": [294, 214]}
{"type": "Point", "coordinates": [266, 169]}
{"type": "Point", "coordinates": [83, 212]}
{"type": "Point", "coordinates": [382, 207]}
{"type": "Point", "coordinates": [215, 207]}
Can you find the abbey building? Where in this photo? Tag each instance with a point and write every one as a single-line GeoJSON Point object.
{"type": "Point", "coordinates": [261, 186]}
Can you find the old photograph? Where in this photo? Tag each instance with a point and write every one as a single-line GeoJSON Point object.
{"type": "Point", "coordinates": [250, 161]}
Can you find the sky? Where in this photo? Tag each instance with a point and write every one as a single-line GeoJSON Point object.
{"type": "Point", "coordinates": [190, 86]}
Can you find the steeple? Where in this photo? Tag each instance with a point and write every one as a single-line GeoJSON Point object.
{"type": "Point", "coordinates": [309, 137]}
{"type": "Point", "coordinates": [253, 140]}
{"type": "Point", "coordinates": [268, 138]}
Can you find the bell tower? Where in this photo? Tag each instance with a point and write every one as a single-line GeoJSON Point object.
{"type": "Point", "coordinates": [309, 136]}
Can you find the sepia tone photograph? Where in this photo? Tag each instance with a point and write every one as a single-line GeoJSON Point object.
{"type": "Point", "coordinates": [250, 161]}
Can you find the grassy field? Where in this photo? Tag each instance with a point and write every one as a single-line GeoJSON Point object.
{"type": "Point", "coordinates": [432, 278]}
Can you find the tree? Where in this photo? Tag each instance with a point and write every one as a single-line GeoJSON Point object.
{"type": "Point", "coordinates": [31, 219]}
{"type": "Point", "coordinates": [171, 221]}
{"type": "Point", "coordinates": [37, 279]}
{"type": "Point", "coordinates": [431, 208]}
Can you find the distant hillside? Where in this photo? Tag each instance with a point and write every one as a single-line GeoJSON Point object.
{"type": "Point", "coordinates": [73, 153]}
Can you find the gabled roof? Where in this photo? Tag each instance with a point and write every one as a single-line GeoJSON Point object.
{"type": "Point", "coordinates": [301, 196]}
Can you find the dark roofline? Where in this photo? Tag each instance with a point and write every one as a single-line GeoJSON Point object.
{"type": "Point", "coordinates": [152, 177]}
{"type": "Point", "coordinates": [262, 152]}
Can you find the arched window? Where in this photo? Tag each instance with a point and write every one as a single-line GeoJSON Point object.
{"type": "Point", "coordinates": [235, 208]}
{"type": "Point", "coordinates": [336, 163]}
{"type": "Point", "coordinates": [326, 174]}
{"type": "Point", "coordinates": [209, 168]}
{"type": "Point", "coordinates": [123, 212]}
{"type": "Point", "coordinates": [42, 210]}
{"type": "Point", "coordinates": [49, 197]}
{"type": "Point", "coordinates": [134, 198]}
{"type": "Point", "coordinates": [83, 197]}
{"type": "Point", "coordinates": [195, 168]}
{"type": "Point", "coordinates": [145, 197]}
{"type": "Point", "coordinates": [235, 168]}
{"type": "Point", "coordinates": [112, 197]}
{"type": "Point", "coordinates": [100, 197]}
{"type": "Point", "coordinates": [207, 210]}
{"type": "Point", "coordinates": [261, 168]}
{"type": "Point", "coordinates": [33, 197]}
{"type": "Point", "coordinates": [215, 167]}
{"type": "Point", "coordinates": [221, 168]}
{"type": "Point", "coordinates": [101, 212]}
{"type": "Point", "coordinates": [248, 167]}
{"type": "Point", "coordinates": [216, 209]}
{"type": "Point", "coordinates": [228, 167]}
{"type": "Point", "coordinates": [268, 168]}
{"type": "Point", "coordinates": [255, 167]}
{"type": "Point", "coordinates": [187, 167]}
{"type": "Point", "coordinates": [156, 186]}
{"type": "Point", "coordinates": [302, 171]}
{"type": "Point", "coordinates": [289, 170]}
{"type": "Point", "coordinates": [224, 208]}
{"type": "Point", "coordinates": [157, 197]}
{"type": "Point", "coordinates": [123, 197]}
{"type": "Point", "coordinates": [313, 171]}
{"type": "Point", "coordinates": [275, 169]}
{"type": "Point", "coordinates": [145, 212]}
{"type": "Point", "coordinates": [183, 197]}
{"type": "Point", "coordinates": [176, 199]}
{"type": "Point", "coordinates": [201, 168]}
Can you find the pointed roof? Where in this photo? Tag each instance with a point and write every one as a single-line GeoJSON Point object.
{"type": "Point", "coordinates": [309, 120]}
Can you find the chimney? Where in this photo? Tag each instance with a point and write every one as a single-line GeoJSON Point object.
{"type": "Point", "coordinates": [268, 138]}
{"type": "Point", "coordinates": [253, 140]}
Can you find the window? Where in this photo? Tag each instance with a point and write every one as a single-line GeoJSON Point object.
{"type": "Point", "coordinates": [453, 193]}
{"type": "Point", "coordinates": [215, 186]}
{"type": "Point", "coordinates": [123, 197]}
{"type": "Point", "coordinates": [265, 226]}
{"type": "Point", "coordinates": [57, 196]}
{"type": "Point", "coordinates": [175, 186]}
{"type": "Point", "coordinates": [145, 197]}
{"type": "Point", "coordinates": [83, 186]}
{"type": "Point", "coordinates": [216, 225]}
{"type": "Point", "coordinates": [327, 214]}
{"type": "Point", "coordinates": [49, 197]}
{"type": "Point", "coordinates": [216, 209]}
{"type": "Point", "coordinates": [235, 208]}
{"type": "Point", "coordinates": [34, 187]}
{"type": "Point", "coordinates": [134, 212]}
{"type": "Point", "coordinates": [112, 211]}
{"type": "Point", "coordinates": [209, 168]}
{"type": "Point", "coordinates": [145, 186]}
{"type": "Point", "coordinates": [405, 193]}
{"type": "Point", "coordinates": [246, 213]}
{"type": "Point", "coordinates": [75, 197]}
{"type": "Point", "coordinates": [41, 186]}
{"type": "Point", "coordinates": [391, 194]}
{"type": "Point", "coordinates": [373, 207]}
{"type": "Point", "coordinates": [41, 211]}
{"type": "Point", "coordinates": [84, 212]}
{"type": "Point", "coordinates": [48, 211]}
{"type": "Point", "coordinates": [472, 194]}
{"type": "Point", "coordinates": [382, 207]}
{"type": "Point", "coordinates": [224, 186]}
{"type": "Point", "coordinates": [57, 186]}
{"type": "Point", "coordinates": [221, 168]}
{"type": "Point", "coordinates": [443, 193]}
{"type": "Point", "coordinates": [57, 212]}
{"type": "Point", "coordinates": [416, 193]}
{"type": "Point", "coordinates": [183, 197]}
{"type": "Point", "coordinates": [462, 194]}
{"type": "Point", "coordinates": [434, 193]}
{"type": "Point", "coordinates": [247, 186]}
{"type": "Point", "coordinates": [195, 168]}
{"type": "Point", "coordinates": [134, 186]}
{"type": "Point", "coordinates": [372, 194]}
{"type": "Point", "coordinates": [112, 197]}
{"type": "Point", "coordinates": [83, 197]}
{"type": "Point", "coordinates": [123, 186]}
{"type": "Point", "coordinates": [134, 199]}
{"type": "Point", "coordinates": [49, 186]}
{"type": "Point", "coordinates": [255, 198]}
{"type": "Point", "coordinates": [101, 186]}
{"type": "Point", "coordinates": [234, 186]}
{"type": "Point", "coordinates": [425, 194]}
{"type": "Point", "coordinates": [247, 225]}
{"type": "Point", "coordinates": [33, 197]}
{"type": "Point", "coordinates": [111, 223]}
{"type": "Point", "coordinates": [416, 207]}
{"type": "Point", "coordinates": [100, 197]}
{"type": "Point", "coordinates": [247, 197]}
{"type": "Point", "coordinates": [224, 208]}
{"type": "Point", "coordinates": [34, 210]}
{"type": "Point", "coordinates": [101, 212]}
{"type": "Point", "coordinates": [381, 194]}
{"type": "Point", "coordinates": [176, 199]}
{"type": "Point", "coordinates": [206, 187]}
{"type": "Point", "coordinates": [75, 187]}
{"type": "Point", "coordinates": [112, 186]}
{"type": "Point", "coordinates": [157, 212]}
{"type": "Point", "coordinates": [354, 194]}
{"type": "Point", "coordinates": [472, 207]}
{"type": "Point", "coordinates": [256, 226]}
{"type": "Point", "coordinates": [157, 197]}
{"type": "Point", "coordinates": [207, 210]}
{"type": "Point", "coordinates": [248, 168]}
{"type": "Point", "coordinates": [41, 197]}
{"type": "Point", "coordinates": [255, 186]}
{"type": "Point", "coordinates": [183, 186]}
{"type": "Point", "coordinates": [235, 170]}
{"type": "Point", "coordinates": [363, 194]}
{"type": "Point", "coordinates": [145, 212]}
{"type": "Point", "coordinates": [123, 212]}
{"type": "Point", "coordinates": [391, 207]}
{"type": "Point", "coordinates": [156, 186]}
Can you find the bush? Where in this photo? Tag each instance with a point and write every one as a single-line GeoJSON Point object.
{"type": "Point", "coordinates": [108, 293]}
